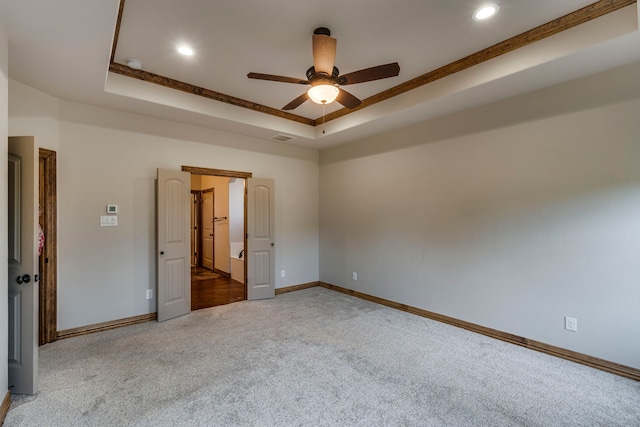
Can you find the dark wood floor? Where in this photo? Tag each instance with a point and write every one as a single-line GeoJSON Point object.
{"type": "Point", "coordinates": [211, 292]}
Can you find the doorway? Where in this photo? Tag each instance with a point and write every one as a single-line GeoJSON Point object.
{"type": "Point", "coordinates": [173, 259]}
{"type": "Point", "coordinates": [218, 232]}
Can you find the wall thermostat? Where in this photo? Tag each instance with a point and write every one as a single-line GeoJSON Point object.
{"type": "Point", "coordinates": [111, 209]}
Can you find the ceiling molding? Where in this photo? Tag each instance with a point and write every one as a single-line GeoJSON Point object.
{"type": "Point", "coordinates": [566, 22]}
{"type": "Point", "coordinates": [206, 93]}
{"type": "Point", "coordinates": [116, 33]}
{"type": "Point", "coordinates": [573, 19]}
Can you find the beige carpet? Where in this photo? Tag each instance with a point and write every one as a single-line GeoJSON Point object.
{"type": "Point", "coordinates": [314, 358]}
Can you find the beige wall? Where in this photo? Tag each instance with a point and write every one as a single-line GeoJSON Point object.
{"type": "Point", "coordinates": [512, 224]}
{"type": "Point", "coordinates": [511, 228]}
{"type": "Point", "coordinates": [108, 157]}
{"type": "Point", "coordinates": [33, 113]}
{"type": "Point", "coordinates": [196, 182]}
{"type": "Point", "coordinates": [4, 132]}
{"type": "Point", "coordinates": [236, 210]}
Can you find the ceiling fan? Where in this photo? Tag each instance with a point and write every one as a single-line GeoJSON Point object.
{"type": "Point", "coordinates": [325, 78]}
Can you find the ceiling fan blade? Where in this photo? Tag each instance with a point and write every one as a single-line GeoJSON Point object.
{"type": "Point", "coordinates": [324, 53]}
{"type": "Point", "coordinates": [271, 77]}
{"type": "Point", "coordinates": [370, 74]}
{"type": "Point", "coordinates": [348, 100]}
{"type": "Point", "coordinates": [296, 102]}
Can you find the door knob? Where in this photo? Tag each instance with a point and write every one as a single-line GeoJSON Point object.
{"type": "Point", "coordinates": [161, 252]}
{"type": "Point", "coordinates": [23, 279]}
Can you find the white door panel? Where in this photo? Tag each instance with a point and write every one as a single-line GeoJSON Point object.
{"type": "Point", "coordinates": [174, 242]}
{"type": "Point", "coordinates": [23, 264]}
{"type": "Point", "coordinates": [194, 229]}
{"type": "Point", "coordinates": [261, 239]}
{"type": "Point", "coordinates": [208, 198]}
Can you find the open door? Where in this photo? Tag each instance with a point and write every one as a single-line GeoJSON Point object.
{"type": "Point", "coordinates": [174, 242]}
{"type": "Point", "coordinates": [195, 229]}
{"type": "Point", "coordinates": [207, 235]}
{"type": "Point", "coordinates": [260, 239]}
{"type": "Point", "coordinates": [23, 262]}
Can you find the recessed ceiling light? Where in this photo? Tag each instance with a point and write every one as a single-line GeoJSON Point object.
{"type": "Point", "coordinates": [486, 12]}
{"type": "Point", "coordinates": [185, 50]}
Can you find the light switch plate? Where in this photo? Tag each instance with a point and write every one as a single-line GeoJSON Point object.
{"type": "Point", "coordinates": [108, 221]}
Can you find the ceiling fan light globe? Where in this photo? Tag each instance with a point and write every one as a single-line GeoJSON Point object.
{"type": "Point", "coordinates": [323, 94]}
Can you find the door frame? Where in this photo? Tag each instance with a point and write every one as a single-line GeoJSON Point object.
{"type": "Point", "coordinates": [229, 174]}
{"type": "Point", "coordinates": [48, 299]}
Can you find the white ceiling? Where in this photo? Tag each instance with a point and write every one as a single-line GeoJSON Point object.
{"type": "Point", "coordinates": [63, 48]}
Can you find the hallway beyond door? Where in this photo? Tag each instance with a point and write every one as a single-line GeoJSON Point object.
{"type": "Point", "coordinates": [209, 289]}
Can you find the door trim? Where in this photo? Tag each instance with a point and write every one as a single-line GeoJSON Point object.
{"type": "Point", "coordinates": [48, 299]}
{"type": "Point", "coordinates": [229, 174]}
{"type": "Point", "coordinates": [216, 172]}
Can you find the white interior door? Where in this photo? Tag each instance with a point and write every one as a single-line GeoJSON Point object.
{"type": "Point", "coordinates": [23, 264]}
{"type": "Point", "coordinates": [194, 229]}
{"type": "Point", "coordinates": [174, 241]}
{"type": "Point", "coordinates": [207, 228]}
{"type": "Point", "coordinates": [260, 239]}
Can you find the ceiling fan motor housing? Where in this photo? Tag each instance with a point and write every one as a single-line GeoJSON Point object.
{"type": "Point", "coordinates": [322, 31]}
{"type": "Point", "coordinates": [322, 78]}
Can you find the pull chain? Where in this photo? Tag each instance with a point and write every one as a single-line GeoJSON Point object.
{"type": "Point", "coordinates": [323, 104]}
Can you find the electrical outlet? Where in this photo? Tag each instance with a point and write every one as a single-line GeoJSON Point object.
{"type": "Point", "coordinates": [281, 273]}
{"type": "Point", "coordinates": [149, 293]}
{"type": "Point", "coordinates": [571, 324]}
{"type": "Point", "coordinates": [355, 276]}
